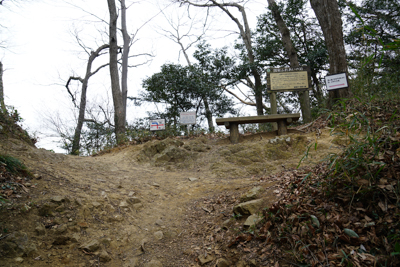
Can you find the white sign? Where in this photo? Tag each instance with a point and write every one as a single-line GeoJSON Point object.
{"type": "Point", "coordinates": [336, 81]}
{"type": "Point", "coordinates": [188, 117]}
{"type": "Point", "coordinates": [156, 125]}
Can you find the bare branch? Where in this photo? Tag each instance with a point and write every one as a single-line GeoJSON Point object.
{"type": "Point", "coordinates": [69, 91]}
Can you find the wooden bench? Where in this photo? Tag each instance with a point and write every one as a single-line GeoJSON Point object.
{"type": "Point", "coordinates": [233, 123]}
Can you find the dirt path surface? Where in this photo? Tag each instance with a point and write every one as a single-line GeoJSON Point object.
{"type": "Point", "coordinates": [164, 203]}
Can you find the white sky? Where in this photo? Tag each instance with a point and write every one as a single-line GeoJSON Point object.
{"type": "Point", "coordinates": [42, 52]}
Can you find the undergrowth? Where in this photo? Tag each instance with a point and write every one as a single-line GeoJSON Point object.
{"type": "Point", "coordinates": [344, 211]}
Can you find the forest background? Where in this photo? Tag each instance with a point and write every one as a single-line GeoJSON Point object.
{"type": "Point", "coordinates": [176, 46]}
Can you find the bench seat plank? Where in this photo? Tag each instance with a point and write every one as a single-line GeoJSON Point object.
{"type": "Point", "coordinates": [233, 123]}
{"type": "Point", "coordinates": [259, 119]}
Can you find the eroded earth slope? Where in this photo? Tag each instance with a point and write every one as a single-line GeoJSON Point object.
{"type": "Point", "coordinates": [144, 205]}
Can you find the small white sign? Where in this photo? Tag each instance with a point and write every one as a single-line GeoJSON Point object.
{"type": "Point", "coordinates": [157, 125]}
{"type": "Point", "coordinates": [336, 81]}
{"type": "Point", "coordinates": [188, 118]}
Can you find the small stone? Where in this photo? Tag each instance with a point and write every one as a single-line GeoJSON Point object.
{"type": "Point", "coordinates": [159, 223]}
{"type": "Point", "coordinates": [59, 199]}
{"type": "Point", "coordinates": [133, 262]}
{"type": "Point", "coordinates": [205, 259]}
{"type": "Point", "coordinates": [104, 256]}
{"type": "Point", "coordinates": [75, 237]}
{"type": "Point", "coordinates": [192, 179]}
{"type": "Point", "coordinates": [249, 207]}
{"type": "Point", "coordinates": [103, 195]}
{"type": "Point", "coordinates": [123, 204]}
{"type": "Point", "coordinates": [253, 220]}
{"type": "Point", "coordinates": [159, 235]}
{"type": "Point", "coordinates": [131, 194]}
{"type": "Point", "coordinates": [58, 220]}
{"type": "Point", "coordinates": [61, 240]}
{"type": "Point", "coordinates": [251, 194]}
{"type": "Point", "coordinates": [116, 218]}
{"type": "Point", "coordinates": [222, 263]}
{"type": "Point", "coordinates": [70, 219]}
{"type": "Point", "coordinates": [47, 209]}
{"type": "Point", "coordinates": [91, 246]}
{"type": "Point", "coordinates": [61, 229]}
{"type": "Point", "coordinates": [78, 202]}
{"type": "Point", "coordinates": [96, 204]}
{"type": "Point", "coordinates": [18, 260]}
{"type": "Point", "coordinates": [37, 176]}
{"type": "Point", "coordinates": [40, 229]}
{"type": "Point", "coordinates": [28, 184]}
{"type": "Point", "coordinates": [156, 185]}
{"type": "Point", "coordinates": [227, 223]}
{"type": "Point", "coordinates": [134, 200]}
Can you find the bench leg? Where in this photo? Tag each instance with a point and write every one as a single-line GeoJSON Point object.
{"type": "Point", "coordinates": [282, 128]}
{"type": "Point", "coordinates": [234, 132]}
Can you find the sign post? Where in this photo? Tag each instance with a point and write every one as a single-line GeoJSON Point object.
{"type": "Point", "coordinates": [188, 118]}
{"type": "Point", "coordinates": [157, 125]}
{"type": "Point", "coordinates": [287, 80]}
{"type": "Point", "coordinates": [336, 81]}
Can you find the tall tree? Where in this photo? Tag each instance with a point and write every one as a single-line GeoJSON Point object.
{"type": "Point", "coordinates": [178, 37]}
{"type": "Point", "coordinates": [307, 39]}
{"type": "Point", "coordinates": [2, 105]}
{"type": "Point", "coordinates": [119, 109]}
{"type": "Point", "coordinates": [185, 88]}
{"type": "Point", "coordinates": [292, 55]}
{"type": "Point", "coordinates": [245, 34]}
{"type": "Point", "coordinates": [82, 104]}
{"type": "Point", "coordinates": [329, 17]}
{"type": "Point", "coordinates": [125, 57]}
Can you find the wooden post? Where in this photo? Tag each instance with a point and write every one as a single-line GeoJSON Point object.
{"type": "Point", "coordinates": [274, 109]}
{"type": "Point", "coordinates": [282, 129]}
{"type": "Point", "coordinates": [234, 132]}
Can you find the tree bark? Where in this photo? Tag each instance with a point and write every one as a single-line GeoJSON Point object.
{"type": "Point", "coordinates": [125, 57]}
{"type": "Point", "coordinates": [82, 104]}
{"type": "Point", "coordinates": [304, 97]}
{"type": "Point", "coordinates": [208, 115]}
{"type": "Point", "coordinates": [328, 15]}
{"type": "Point", "coordinates": [119, 116]}
{"type": "Point", "coordinates": [2, 105]}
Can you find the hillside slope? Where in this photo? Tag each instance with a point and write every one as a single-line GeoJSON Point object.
{"type": "Point", "coordinates": [142, 205]}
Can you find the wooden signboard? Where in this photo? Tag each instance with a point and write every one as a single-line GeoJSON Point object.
{"type": "Point", "coordinates": [187, 118]}
{"type": "Point", "coordinates": [288, 79]}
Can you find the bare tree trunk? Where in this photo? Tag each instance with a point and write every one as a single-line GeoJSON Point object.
{"type": "Point", "coordinates": [304, 97]}
{"type": "Point", "coordinates": [328, 15]}
{"type": "Point", "coordinates": [125, 54]}
{"type": "Point", "coordinates": [208, 115]}
{"type": "Point", "coordinates": [119, 116]}
{"type": "Point", "coordinates": [82, 104]}
{"type": "Point", "coordinates": [2, 105]}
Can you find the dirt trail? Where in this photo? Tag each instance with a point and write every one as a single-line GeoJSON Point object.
{"type": "Point", "coordinates": [138, 205]}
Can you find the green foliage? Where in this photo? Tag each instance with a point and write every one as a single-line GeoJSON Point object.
{"type": "Point", "coordinates": [14, 165]}
{"type": "Point", "coordinates": [374, 41]}
{"type": "Point", "coordinates": [196, 87]}
{"type": "Point", "coordinates": [370, 140]}
{"type": "Point", "coordinates": [307, 39]}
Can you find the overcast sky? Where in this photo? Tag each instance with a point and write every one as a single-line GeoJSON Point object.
{"type": "Point", "coordinates": [42, 53]}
